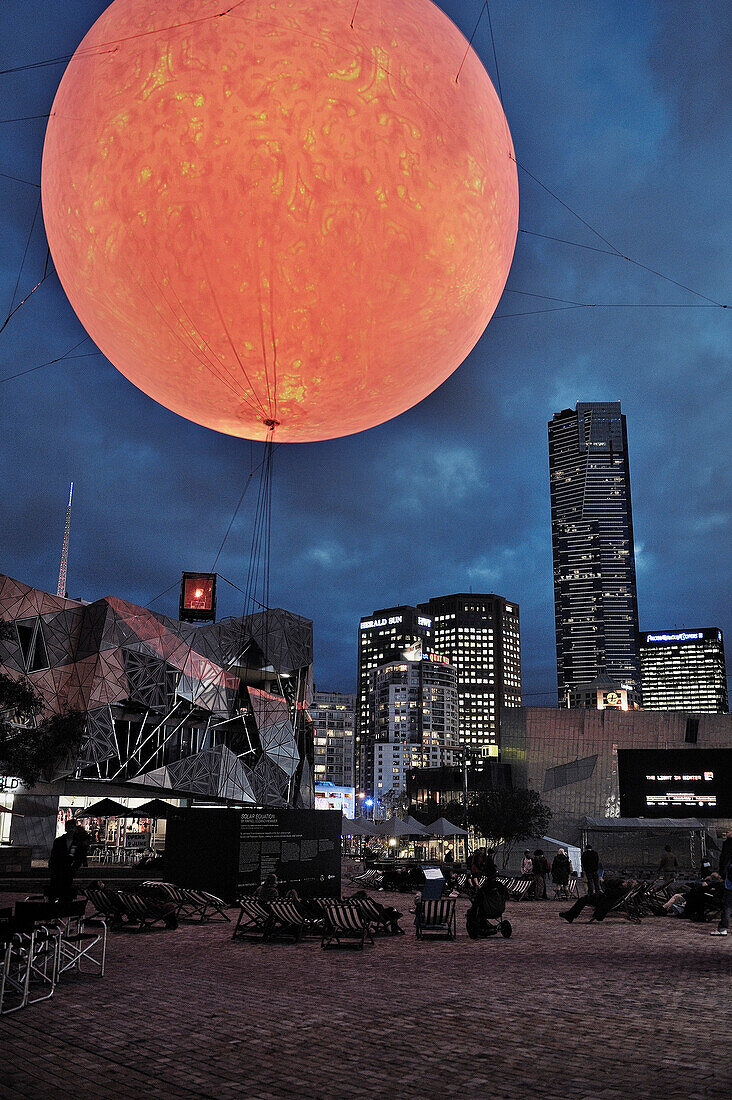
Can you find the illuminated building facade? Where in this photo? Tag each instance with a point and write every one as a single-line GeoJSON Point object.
{"type": "Point", "coordinates": [215, 711]}
{"type": "Point", "coordinates": [382, 636]}
{"type": "Point", "coordinates": [684, 670]}
{"type": "Point", "coordinates": [571, 756]}
{"type": "Point", "coordinates": [595, 602]}
{"type": "Point", "coordinates": [481, 636]}
{"type": "Point", "coordinates": [413, 706]}
{"type": "Point", "coordinates": [333, 716]}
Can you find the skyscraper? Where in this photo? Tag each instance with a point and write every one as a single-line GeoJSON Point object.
{"type": "Point", "coordinates": [332, 713]}
{"type": "Point", "coordinates": [595, 601]}
{"type": "Point", "coordinates": [384, 635]}
{"type": "Point", "coordinates": [684, 670]}
{"type": "Point", "coordinates": [414, 718]}
{"type": "Point", "coordinates": [480, 635]}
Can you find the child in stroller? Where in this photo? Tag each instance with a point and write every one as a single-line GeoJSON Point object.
{"type": "Point", "coordinates": [488, 905]}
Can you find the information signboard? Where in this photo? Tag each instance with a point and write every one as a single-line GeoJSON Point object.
{"type": "Point", "coordinates": [675, 782]}
{"type": "Point", "coordinates": [229, 852]}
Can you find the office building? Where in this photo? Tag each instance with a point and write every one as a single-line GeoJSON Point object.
{"type": "Point", "coordinates": [413, 706]}
{"type": "Point", "coordinates": [382, 636]}
{"type": "Point", "coordinates": [480, 635]}
{"type": "Point", "coordinates": [595, 602]}
{"type": "Point", "coordinates": [684, 670]}
{"type": "Point", "coordinates": [333, 714]}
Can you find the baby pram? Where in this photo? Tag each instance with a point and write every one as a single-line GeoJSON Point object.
{"type": "Point", "coordinates": [488, 905]}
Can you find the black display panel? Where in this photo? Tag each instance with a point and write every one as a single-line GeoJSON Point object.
{"type": "Point", "coordinates": [229, 852]}
{"type": "Point", "coordinates": [675, 782]}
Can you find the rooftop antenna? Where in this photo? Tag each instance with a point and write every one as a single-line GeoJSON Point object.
{"type": "Point", "coordinates": [61, 590]}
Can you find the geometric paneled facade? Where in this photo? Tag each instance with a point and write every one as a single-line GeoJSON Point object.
{"type": "Point", "coordinates": [217, 710]}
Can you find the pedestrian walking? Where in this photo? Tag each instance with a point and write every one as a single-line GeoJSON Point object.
{"type": "Point", "coordinates": [725, 870]}
{"type": "Point", "coordinates": [62, 866]}
{"type": "Point", "coordinates": [591, 869]}
{"type": "Point", "coordinates": [668, 865]}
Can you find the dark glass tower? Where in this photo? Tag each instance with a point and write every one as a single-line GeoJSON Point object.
{"type": "Point", "coordinates": [595, 601]}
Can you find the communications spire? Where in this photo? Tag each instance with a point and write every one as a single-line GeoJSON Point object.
{"type": "Point", "coordinates": [61, 590]}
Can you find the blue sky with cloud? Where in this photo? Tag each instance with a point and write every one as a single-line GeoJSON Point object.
{"type": "Point", "coordinates": [622, 110]}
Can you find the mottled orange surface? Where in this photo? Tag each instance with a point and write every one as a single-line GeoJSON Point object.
{"type": "Point", "coordinates": [270, 215]}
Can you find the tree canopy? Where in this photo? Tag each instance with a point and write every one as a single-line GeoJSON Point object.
{"type": "Point", "coordinates": [34, 747]}
{"type": "Point", "coordinates": [505, 816]}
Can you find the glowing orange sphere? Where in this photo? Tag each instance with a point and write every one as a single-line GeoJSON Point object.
{"type": "Point", "coordinates": [271, 216]}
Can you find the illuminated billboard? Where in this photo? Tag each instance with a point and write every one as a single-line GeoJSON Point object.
{"type": "Point", "coordinates": [675, 782]}
{"type": "Point", "coordinates": [197, 598]}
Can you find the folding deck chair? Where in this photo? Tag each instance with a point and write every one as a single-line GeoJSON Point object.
{"type": "Point", "coordinates": [288, 919]}
{"type": "Point", "coordinates": [371, 878]}
{"type": "Point", "coordinates": [253, 919]}
{"type": "Point", "coordinates": [376, 918]}
{"type": "Point", "coordinates": [343, 922]}
{"type": "Point", "coordinates": [436, 918]}
{"type": "Point", "coordinates": [517, 888]}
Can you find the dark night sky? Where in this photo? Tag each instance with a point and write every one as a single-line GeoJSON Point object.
{"type": "Point", "coordinates": [620, 109]}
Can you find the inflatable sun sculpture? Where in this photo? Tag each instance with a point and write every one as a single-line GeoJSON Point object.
{"type": "Point", "coordinates": [268, 218]}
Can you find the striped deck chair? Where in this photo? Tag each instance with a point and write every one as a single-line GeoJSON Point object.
{"type": "Point", "coordinates": [106, 905]}
{"type": "Point", "coordinates": [375, 917]}
{"type": "Point", "coordinates": [208, 907]}
{"type": "Point", "coordinates": [371, 878]}
{"type": "Point", "coordinates": [344, 923]}
{"type": "Point", "coordinates": [185, 908]}
{"type": "Point", "coordinates": [144, 911]}
{"type": "Point", "coordinates": [287, 919]}
{"type": "Point", "coordinates": [517, 888]}
{"type": "Point", "coordinates": [253, 918]}
{"type": "Point", "coordinates": [436, 917]}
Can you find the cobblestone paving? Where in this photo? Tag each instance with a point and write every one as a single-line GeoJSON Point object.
{"type": "Point", "coordinates": [590, 1010]}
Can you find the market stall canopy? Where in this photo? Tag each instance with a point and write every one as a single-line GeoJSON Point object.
{"type": "Point", "coordinates": [107, 807]}
{"type": "Point", "coordinates": [443, 827]}
{"type": "Point", "coordinates": [409, 826]}
{"type": "Point", "coordinates": [156, 807]}
{"type": "Point", "coordinates": [357, 827]}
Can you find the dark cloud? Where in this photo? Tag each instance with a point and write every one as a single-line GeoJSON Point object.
{"type": "Point", "coordinates": [619, 109]}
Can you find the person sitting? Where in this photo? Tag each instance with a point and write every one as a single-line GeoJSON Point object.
{"type": "Point", "coordinates": [614, 888]}
{"type": "Point", "coordinates": [269, 889]}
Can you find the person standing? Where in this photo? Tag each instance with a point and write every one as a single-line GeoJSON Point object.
{"type": "Point", "coordinates": [560, 873]}
{"type": "Point", "coordinates": [540, 871]}
{"type": "Point", "coordinates": [725, 870]}
{"type": "Point", "coordinates": [668, 865]}
{"type": "Point", "coordinates": [591, 869]}
{"type": "Point", "coordinates": [62, 866]}
{"type": "Point", "coordinates": [527, 863]}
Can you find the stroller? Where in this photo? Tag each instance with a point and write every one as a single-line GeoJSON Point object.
{"type": "Point", "coordinates": [488, 905]}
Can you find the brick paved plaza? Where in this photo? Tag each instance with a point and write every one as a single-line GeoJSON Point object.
{"type": "Point", "coordinates": [602, 1010]}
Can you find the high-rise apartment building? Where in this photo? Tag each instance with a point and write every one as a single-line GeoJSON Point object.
{"type": "Point", "coordinates": [480, 635]}
{"type": "Point", "coordinates": [413, 718]}
{"type": "Point", "coordinates": [333, 715]}
{"type": "Point", "coordinates": [684, 670]}
{"type": "Point", "coordinates": [595, 602]}
{"type": "Point", "coordinates": [382, 636]}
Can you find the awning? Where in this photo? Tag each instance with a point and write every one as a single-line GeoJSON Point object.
{"type": "Point", "coordinates": [398, 827]}
{"type": "Point", "coordinates": [443, 827]}
{"type": "Point", "coordinates": [156, 807]}
{"type": "Point", "coordinates": [107, 807]}
{"type": "Point", "coordinates": [358, 827]}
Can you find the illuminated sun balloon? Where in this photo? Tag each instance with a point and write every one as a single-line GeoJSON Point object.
{"type": "Point", "coordinates": [264, 215]}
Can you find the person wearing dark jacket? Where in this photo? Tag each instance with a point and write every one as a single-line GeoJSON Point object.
{"type": "Point", "coordinates": [62, 866]}
{"type": "Point", "coordinates": [560, 873]}
{"type": "Point", "coordinates": [614, 888]}
{"type": "Point", "coordinates": [591, 870]}
{"type": "Point", "coordinates": [725, 870]}
{"type": "Point", "coordinates": [668, 865]}
{"type": "Point", "coordinates": [540, 871]}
